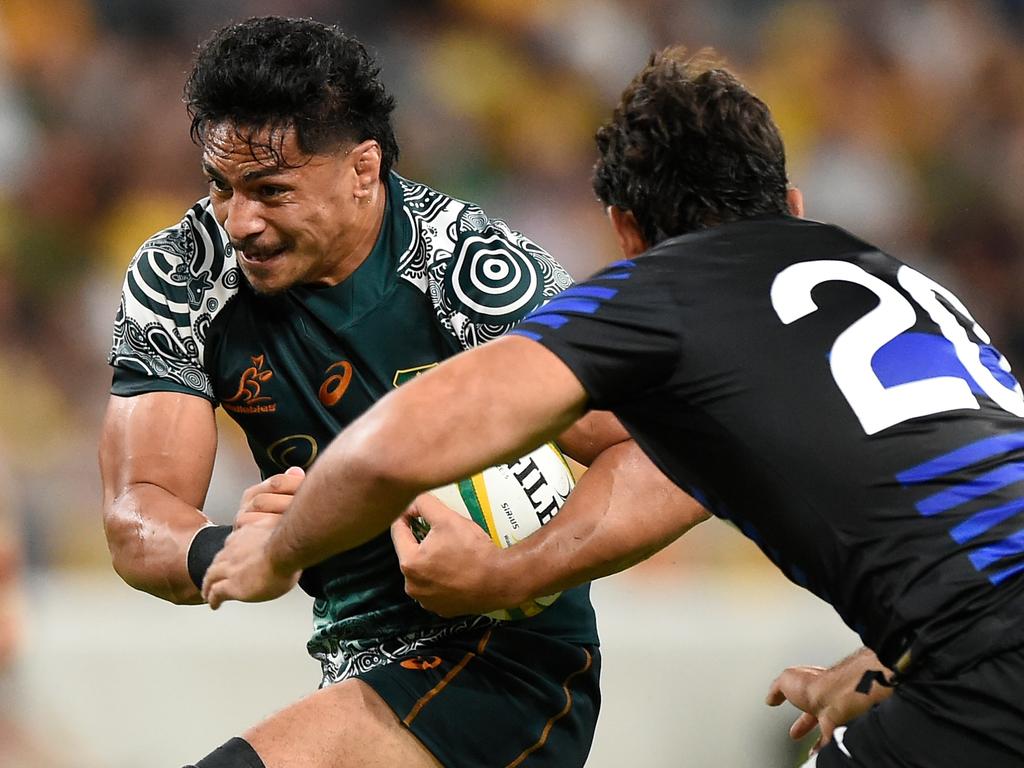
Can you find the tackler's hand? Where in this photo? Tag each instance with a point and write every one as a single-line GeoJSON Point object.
{"type": "Point", "coordinates": [828, 697]}
{"type": "Point", "coordinates": [450, 564]}
{"type": "Point", "coordinates": [242, 571]}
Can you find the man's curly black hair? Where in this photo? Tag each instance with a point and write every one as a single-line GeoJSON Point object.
{"type": "Point", "coordinates": [277, 73]}
{"type": "Point", "coordinates": [688, 147]}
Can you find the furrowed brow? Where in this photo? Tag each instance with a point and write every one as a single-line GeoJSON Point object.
{"type": "Point", "coordinates": [211, 171]}
{"type": "Point", "coordinates": [261, 173]}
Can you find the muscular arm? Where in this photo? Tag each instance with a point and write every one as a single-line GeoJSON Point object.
{"type": "Point", "coordinates": [156, 458]}
{"type": "Point", "coordinates": [622, 511]}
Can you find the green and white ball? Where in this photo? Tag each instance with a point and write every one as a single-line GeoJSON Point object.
{"type": "Point", "coordinates": [511, 501]}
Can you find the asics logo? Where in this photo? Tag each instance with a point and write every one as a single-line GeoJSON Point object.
{"type": "Point", "coordinates": [334, 386]}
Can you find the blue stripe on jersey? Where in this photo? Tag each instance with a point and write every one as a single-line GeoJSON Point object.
{"type": "Point", "coordinates": [559, 304]}
{"type": "Point", "coordinates": [962, 458]}
{"type": "Point", "coordinates": [914, 356]}
{"type": "Point", "coordinates": [582, 299]}
{"type": "Point", "coordinates": [551, 321]}
{"type": "Point", "coordinates": [588, 292]}
{"type": "Point", "coordinates": [991, 358]}
{"type": "Point", "coordinates": [617, 270]}
{"type": "Point", "coordinates": [1000, 576]}
{"type": "Point", "coordinates": [977, 524]}
{"type": "Point", "coordinates": [983, 557]}
{"type": "Point", "coordinates": [528, 334]}
{"type": "Point", "coordinates": [974, 488]}
{"type": "Point", "coordinates": [979, 486]}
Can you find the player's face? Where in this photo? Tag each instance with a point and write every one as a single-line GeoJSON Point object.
{"type": "Point", "coordinates": [295, 219]}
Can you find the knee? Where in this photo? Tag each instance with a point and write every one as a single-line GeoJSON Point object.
{"type": "Point", "coordinates": [236, 753]}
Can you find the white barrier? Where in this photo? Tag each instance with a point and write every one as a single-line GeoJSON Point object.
{"type": "Point", "coordinates": [123, 680]}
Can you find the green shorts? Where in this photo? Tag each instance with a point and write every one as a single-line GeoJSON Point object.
{"type": "Point", "coordinates": [497, 696]}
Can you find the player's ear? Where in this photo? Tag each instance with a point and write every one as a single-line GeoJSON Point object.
{"type": "Point", "coordinates": [631, 240]}
{"type": "Point", "coordinates": [366, 162]}
{"type": "Point", "coordinates": [795, 202]}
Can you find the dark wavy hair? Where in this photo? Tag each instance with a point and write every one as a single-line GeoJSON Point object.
{"type": "Point", "coordinates": [688, 147]}
{"type": "Point", "coordinates": [278, 73]}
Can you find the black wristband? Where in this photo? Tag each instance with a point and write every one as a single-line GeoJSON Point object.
{"type": "Point", "coordinates": [204, 547]}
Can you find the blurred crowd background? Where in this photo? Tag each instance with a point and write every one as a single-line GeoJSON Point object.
{"type": "Point", "coordinates": [904, 122]}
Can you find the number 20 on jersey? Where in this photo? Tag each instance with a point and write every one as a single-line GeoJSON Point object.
{"type": "Point", "coordinates": [877, 406]}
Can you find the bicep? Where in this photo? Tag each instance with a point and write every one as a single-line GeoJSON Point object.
{"type": "Point", "coordinates": [162, 439]}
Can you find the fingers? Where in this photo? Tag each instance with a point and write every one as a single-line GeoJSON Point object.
{"type": "Point", "coordinates": [827, 727]}
{"type": "Point", "coordinates": [793, 684]}
{"type": "Point", "coordinates": [287, 482]}
{"type": "Point", "coordinates": [406, 544]}
{"type": "Point", "coordinates": [784, 686]}
{"type": "Point", "coordinates": [775, 695]}
{"type": "Point", "coordinates": [213, 592]}
{"type": "Point", "coordinates": [273, 496]}
{"type": "Point", "coordinates": [432, 509]}
{"type": "Point", "coordinates": [802, 726]}
{"type": "Point", "coordinates": [215, 597]}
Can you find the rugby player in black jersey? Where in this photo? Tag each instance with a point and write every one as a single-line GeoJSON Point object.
{"type": "Point", "coordinates": [845, 411]}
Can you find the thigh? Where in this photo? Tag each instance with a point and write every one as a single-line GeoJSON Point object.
{"type": "Point", "coordinates": [496, 697]}
{"type": "Point", "coordinates": [345, 726]}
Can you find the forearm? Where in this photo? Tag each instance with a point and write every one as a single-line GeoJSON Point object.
{"type": "Point", "coordinates": [148, 533]}
{"type": "Point", "coordinates": [622, 511]}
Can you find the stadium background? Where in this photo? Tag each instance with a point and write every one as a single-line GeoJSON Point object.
{"type": "Point", "coordinates": [904, 121]}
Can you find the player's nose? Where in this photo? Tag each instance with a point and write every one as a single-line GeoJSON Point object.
{"type": "Point", "coordinates": [244, 219]}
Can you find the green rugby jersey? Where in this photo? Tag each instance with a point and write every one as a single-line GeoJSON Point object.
{"type": "Point", "coordinates": [294, 369]}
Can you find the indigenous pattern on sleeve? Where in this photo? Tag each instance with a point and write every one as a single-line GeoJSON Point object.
{"type": "Point", "coordinates": [482, 276]}
{"type": "Point", "coordinates": [177, 282]}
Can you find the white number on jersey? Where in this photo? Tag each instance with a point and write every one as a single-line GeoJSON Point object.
{"type": "Point", "coordinates": [875, 405]}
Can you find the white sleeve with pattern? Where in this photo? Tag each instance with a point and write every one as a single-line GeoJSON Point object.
{"type": "Point", "coordinates": [177, 281]}
{"type": "Point", "coordinates": [482, 276]}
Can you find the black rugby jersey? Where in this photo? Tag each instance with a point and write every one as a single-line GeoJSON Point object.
{"type": "Point", "coordinates": [293, 369]}
{"type": "Point", "coordinates": [842, 409]}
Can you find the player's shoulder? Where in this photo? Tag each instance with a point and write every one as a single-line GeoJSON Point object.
{"type": "Point", "coordinates": [482, 275]}
{"type": "Point", "coordinates": [189, 264]}
{"type": "Point", "coordinates": [444, 226]}
{"type": "Point", "coordinates": [179, 280]}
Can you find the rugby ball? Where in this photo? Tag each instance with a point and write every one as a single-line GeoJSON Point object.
{"type": "Point", "coordinates": [511, 501]}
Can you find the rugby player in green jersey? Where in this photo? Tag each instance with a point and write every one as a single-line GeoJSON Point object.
{"type": "Point", "coordinates": [311, 282]}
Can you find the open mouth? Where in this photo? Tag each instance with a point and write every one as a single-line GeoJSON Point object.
{"type": "Point", "coordinates": [262, 256]}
